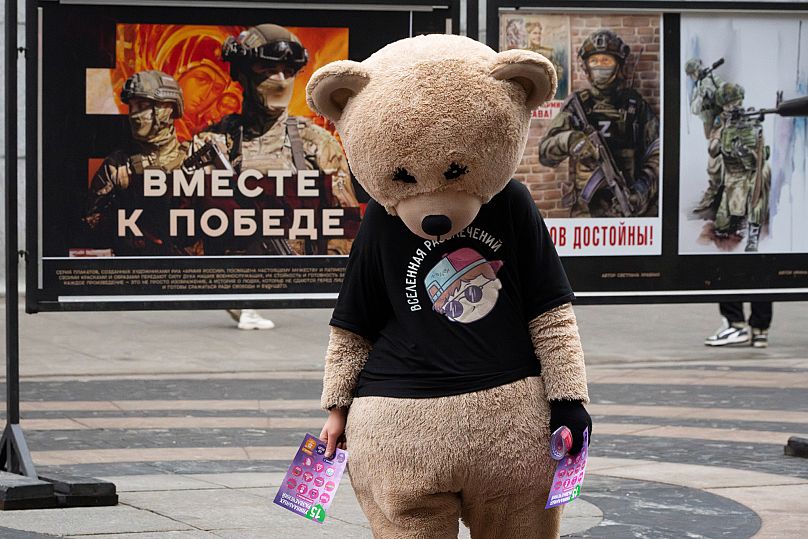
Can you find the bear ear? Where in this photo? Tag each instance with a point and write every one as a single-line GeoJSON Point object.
{"type": "Point", "coordinates": [531, 71]}
{"type": "Point", "coordinates": [331, 86]}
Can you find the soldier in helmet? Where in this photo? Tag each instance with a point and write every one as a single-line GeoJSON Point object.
{"type": "Point", "coordinates": [265, 59]}
{"type": "Point", "coordinates": [703, 104]}
{"type": "Point", "coordinates": [746, 176]}
{"type": "Point", "coordinates": [155, 101]}
{"type": "Point", "coordinates": [630, 128]}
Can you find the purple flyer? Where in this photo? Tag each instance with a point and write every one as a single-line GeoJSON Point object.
{"type": "Point", "coordinates": [569, 476]}
{"type": "Point", "coordinates": [312, 480]}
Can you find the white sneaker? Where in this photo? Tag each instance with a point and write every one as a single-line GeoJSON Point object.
{"type": "Point", "coordinates": [250, 319]}
{"type": "Point", "coordinates": [728, 334]}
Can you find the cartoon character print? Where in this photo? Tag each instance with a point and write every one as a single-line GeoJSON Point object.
{"type": "Point", "coordinates": [463, 286]}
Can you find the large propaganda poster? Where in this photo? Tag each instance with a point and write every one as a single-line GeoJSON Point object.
{"type": "Point", "coordinates": [743, 164]}
{"type": "Point", "coordinates": [700, 180]}
{"type": "Point", "coordinates": [593, 157]}
{"type": "Point", "coordinates": [223, 155]}
{"type": "Point", "coordinates": [178, 159]}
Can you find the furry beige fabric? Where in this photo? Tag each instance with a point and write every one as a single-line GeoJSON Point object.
{"type": "Point", "coordinates": [422, 121]}
{"type": "Point", "coordinates": [515, 65]}
{"type": "Point", "coordinates": [423, 103]}
{"type": "Point", "coordinates": [482, 455]}
{"type": "Point", "coordinates": [558, 347]}
{"type": "Point", "coordinates": [346, 355]}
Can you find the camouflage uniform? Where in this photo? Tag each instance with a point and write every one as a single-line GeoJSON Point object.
{"type": "Point", "coordinates": [265, 138]}
{"type": "Point", "coordinates": [746, 176]}
{"type": "Point", "coordinates": [118, 182]}
{"type": "Point", "coordinates": [703, 104]}
{"type": "Point", "coordinates": [274, 149]}
{"type": "Point", "coordinates": [631, 130]}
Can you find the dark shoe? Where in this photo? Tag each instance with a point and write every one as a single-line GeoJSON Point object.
{"type": "Point", "coordinates": [760, 338]}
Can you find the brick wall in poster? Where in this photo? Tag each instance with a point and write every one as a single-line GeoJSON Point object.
{"type": "Point", "coordinates": [642, 33]}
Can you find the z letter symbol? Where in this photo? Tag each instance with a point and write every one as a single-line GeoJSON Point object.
{"type": "Point", "coordinates": [604, 127]}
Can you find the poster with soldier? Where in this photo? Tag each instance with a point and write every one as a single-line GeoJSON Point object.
{"type": "Point", "coordinates": [179, 161]}
{"type": "Point", "coordinates": [744, 136]}
{"type": "Point", "coordinates": [236, 168]}
{"type": "Point", "coordinates": [593, 165]}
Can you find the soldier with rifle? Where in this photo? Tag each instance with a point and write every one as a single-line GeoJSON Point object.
{"type": "Point", "coordinates": [703, 104]}
{"type": "Point", "coordinates": [746, 175]}
{"type": "Point", "coordinates": [155, 100]}
{"type": "Point", "coordinates": [610, 135]}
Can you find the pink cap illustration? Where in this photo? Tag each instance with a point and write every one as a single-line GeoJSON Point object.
{"type": "Point", "coordinates": [452, 268]}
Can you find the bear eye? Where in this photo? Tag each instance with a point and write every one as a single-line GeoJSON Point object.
{"type": "Point", "coordinates": [401, 175]}
{"type": "Point", "coordinates": [455, 171]}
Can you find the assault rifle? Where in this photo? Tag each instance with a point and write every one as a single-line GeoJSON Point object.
{"type": "Point", "coordinates": [704, 73]}
{"type": "Point", "coordinates": [208, 154]}
{"type": "Point", "coordinates": [608, 169]}
{"type": "Point", "coordinates": [786, 109]}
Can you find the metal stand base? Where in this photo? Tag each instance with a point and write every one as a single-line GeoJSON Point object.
{"type": "Point", "coordinates": [20, 492]}
{"type": "Point", "coordinates": [797, 447]}
{"type": "Point", "coordinates": [73, 491]}
{"type": "Point", "coordinates": [54, 490]}
{"type": "Point", "coordinates": [14, 454]}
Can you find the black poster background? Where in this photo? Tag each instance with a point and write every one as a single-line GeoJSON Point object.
{"type": "Point", "coordinates": [75, 37]}
{"type": "Point", "coordinates": [69, 39]}
{"type": "Point", "coordinates": [670, 277]}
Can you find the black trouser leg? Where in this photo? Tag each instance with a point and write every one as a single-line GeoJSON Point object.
{"type": "Point", "coordinates": [732, 311]}
{"type": "Point", "coordinates": [761, 314]}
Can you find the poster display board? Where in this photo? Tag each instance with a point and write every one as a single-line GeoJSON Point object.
{"type": "Point", "coordinates": [176, 162]}
{"type": "Point", "coordinates": [671, 164]}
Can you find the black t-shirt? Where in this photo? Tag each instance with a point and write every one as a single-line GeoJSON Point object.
{"type": "Point", "coordinates": [450, 317]}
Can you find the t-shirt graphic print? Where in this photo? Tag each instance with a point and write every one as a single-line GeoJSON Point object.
{"type": "Point", "coordinates": [464, 286]}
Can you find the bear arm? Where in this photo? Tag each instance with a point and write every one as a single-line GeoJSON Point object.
{"type": "Point", "coordinates": [346, 356]}
{"type": "Point", "coordinates": [558, 347]}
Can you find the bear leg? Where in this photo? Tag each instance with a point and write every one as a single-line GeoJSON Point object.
{"type": "Point", "coordinates": [427, 516]}
{"type": "Point", "coordinates": [416, 464]}
{"type": "Point", "coordinates": [403, 467]}
{"type": "Point", "coordinates": [512, 517]}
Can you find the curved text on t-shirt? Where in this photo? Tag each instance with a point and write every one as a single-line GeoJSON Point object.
{"type": "Point", "coordinates": [414, 265]}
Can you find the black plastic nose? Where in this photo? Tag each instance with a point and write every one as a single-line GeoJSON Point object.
{"type": "Point", "coordinates": [436, 225]}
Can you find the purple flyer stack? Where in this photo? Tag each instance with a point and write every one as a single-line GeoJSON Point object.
{"type": "Point", "coordinates": [569, 476]}
{"type": "Point", "coordinates": [312, 480]}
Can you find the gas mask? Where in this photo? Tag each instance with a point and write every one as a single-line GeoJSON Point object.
{"type": "Point", "coordinates": [152, 125]}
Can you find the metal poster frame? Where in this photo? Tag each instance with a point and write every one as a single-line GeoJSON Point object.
{"type": "Point", "coordinates": [417, 16]}
{"type": "Point", "coordinates": [678, 278]}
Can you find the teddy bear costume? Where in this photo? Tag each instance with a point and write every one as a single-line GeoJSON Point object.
{"type": "Point", "coordinates": [453, 343]}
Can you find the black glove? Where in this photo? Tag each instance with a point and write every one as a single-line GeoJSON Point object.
{"type": "Point", "coordinates": [573, 415]}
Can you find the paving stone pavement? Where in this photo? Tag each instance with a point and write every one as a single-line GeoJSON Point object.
{"type": "Point", "coordinates": [195, 422]}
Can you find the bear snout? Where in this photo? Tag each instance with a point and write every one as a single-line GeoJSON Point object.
{"type": "Point", "coordinates": [436, 225]}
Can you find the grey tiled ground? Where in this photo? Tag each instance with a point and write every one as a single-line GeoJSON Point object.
{"type": "Point", "coordinates": [644, 510]}
{"type": "Point", "coordinates": [109, 356]}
